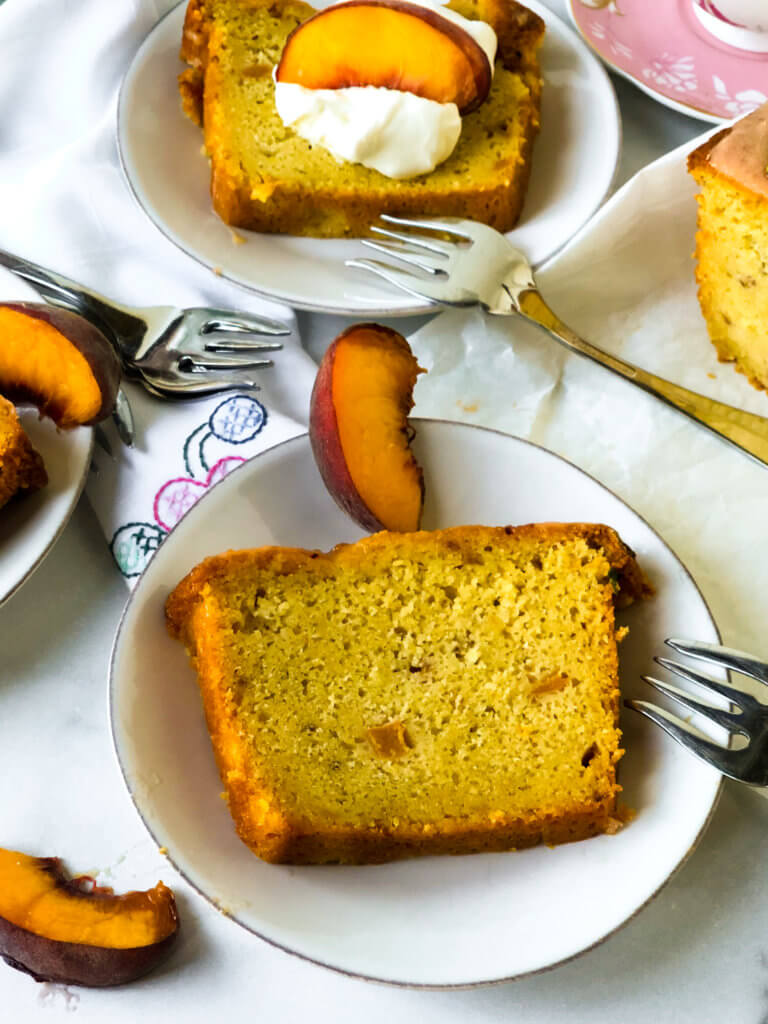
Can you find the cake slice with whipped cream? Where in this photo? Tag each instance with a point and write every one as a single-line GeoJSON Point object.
{"type": "Point", "coordinates": [317, 122]}
{"type": "Point", "coordinates": [394, 117]}
{"type": "Point", "coordinates": [732, 242]}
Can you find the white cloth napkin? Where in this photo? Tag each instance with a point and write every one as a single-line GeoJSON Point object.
{"type": "Point", "coordinates": [66, 206]}
{"type": "Point", "coordinates": [140, 494]}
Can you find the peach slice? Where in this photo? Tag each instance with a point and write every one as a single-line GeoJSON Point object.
{"type": "Point", "coordinates": [359, 429]}
{"type": "Point", "coordinates": [389, 741]}
{"type": "Point", "coordinates": [58, 929]}
{"type": "Point", "coordinates": [57, 361]}
{"type": "Point", "coordinates": [388, 43]}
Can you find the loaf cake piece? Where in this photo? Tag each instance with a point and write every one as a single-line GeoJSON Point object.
{"type": "Point", "coordinates": [266, 177]}
{"type": "Point", "coordinates": [21, 467]}
{"type": "Point", "coordinates": [731, 169]}
{"type": "Point", "coordinates": [452, 691]}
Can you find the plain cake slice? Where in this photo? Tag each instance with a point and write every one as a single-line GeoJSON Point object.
{"type": "Point", "coordinates": [731, 169]}
{"type": "Point", "coordinates": [436, 692]}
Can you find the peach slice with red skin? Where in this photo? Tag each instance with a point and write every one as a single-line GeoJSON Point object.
{"type": "Point", "coordinates": [391, 44]}
{"type": "Point", "coordinates": [57, 361]}
{"type": "Point", "coordinates": [358, 428]}
{"type": "Point", "coordinates": [71, 931]}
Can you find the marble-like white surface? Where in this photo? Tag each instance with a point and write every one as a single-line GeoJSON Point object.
{"type": "Point", "coordinates": [698, 953]}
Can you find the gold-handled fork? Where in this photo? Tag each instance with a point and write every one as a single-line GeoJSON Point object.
{"type": "Point", "coordinates": [480, 267]}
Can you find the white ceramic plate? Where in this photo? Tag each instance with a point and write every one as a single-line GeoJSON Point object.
{"type": "Point", "coordinates": [574, 163]}
{"type": "Point", "coordinates": [30, 526]}
{"type": "Point", "coordinates": [438, 921]}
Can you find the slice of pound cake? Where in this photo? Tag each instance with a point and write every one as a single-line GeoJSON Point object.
{"type": "Point", "coordinates": [732, 242]}
{"type": "Point", "coordinates": [266, 177]}
{"type": "Point", "coordinates": [452, 691]}
{"type": "Point", "coordinates": [21, 467]}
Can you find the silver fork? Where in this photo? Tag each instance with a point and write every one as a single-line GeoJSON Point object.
{"type": "Point", "coordinates": [747, 716]}
{"type": "Point", "coordinates": [484, 269]}
{"type": "Point", "coordinates": [174, 353]}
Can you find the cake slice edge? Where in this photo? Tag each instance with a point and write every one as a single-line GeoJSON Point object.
{"type": "Point", "coordinates": [21, 465]}
{"type": "Point", "coordinates": [271, 833]}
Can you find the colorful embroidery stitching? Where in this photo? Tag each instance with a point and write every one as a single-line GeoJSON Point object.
{"type": "Point", "coordinates": [133, 545]}
{"type": "Point", "coordinates": [177, 496]}
{"type": "Point", "coordinates": [235, 421]}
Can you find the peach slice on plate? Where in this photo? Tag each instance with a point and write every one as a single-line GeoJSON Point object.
{"type": "Point", "coordinates": [359, 431]}
{"type": "Point", "coordinates": [60, 929]}
{"type": "Point", "coordinates": [391, 44]}
{"type": "Point", "coordinates": [57, 361]}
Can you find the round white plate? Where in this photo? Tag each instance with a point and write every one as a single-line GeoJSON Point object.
{"type": "Point", "coordinates": [574, 162]}
{"type": "Point", "coordinates": [437, 921]}
{"type": "Point", "coordinates": [30, 526]}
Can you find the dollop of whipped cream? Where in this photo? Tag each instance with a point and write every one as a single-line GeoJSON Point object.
{"type": "Point", "coordinates": [399, 134]}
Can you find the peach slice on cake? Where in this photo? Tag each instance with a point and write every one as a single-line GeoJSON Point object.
{"type": "Point", "coordinates": [57, 361]}
{"type": "Point", "coordinates": [71, 931]}
{"type": "Point", "coordinates": [359, 431]}
{"type": "Point", "coordinates": [392, 44]}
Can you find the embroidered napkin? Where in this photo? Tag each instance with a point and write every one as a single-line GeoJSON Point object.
{"type": "Point", "coordinates": [140, 494]}
{"type": "Point", "coordinates": [66, 206]}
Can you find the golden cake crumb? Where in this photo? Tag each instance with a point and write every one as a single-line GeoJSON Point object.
{"type": "Point", "coordinates": [732, 264]}
{"type": "Point", "coordinates": [436, 692]}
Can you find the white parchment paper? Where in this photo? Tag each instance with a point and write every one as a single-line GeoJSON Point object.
{"type": "Point", "coordinates": [626, 283]}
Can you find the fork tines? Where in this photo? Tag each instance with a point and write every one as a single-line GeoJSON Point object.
{"type": "Point", "coordinates": [227, 341]}
{"type": "Point", "coordinates": [724, 656]}
{"type": "Point", "coordinates": [410, 252]}
{"type": "Point", "coordinates": [420, 249]}
{"type": "Point", "coordinates": [214, 359]}
{"type": "Point", "coordinates": [448, 260]}
{"type": "Point", "coordinates": [746, 715]}
{"type": "Point", "coordinates": [222, 320]}
{"type": "Point", "coordinates": [226, 332]}
{"type": "Point", "coordinates": [458, 226]}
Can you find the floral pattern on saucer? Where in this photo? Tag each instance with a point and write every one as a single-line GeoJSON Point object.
{"type": "Point", "coordinates": [661, 47]}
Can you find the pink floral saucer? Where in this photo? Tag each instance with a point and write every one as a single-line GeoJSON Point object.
{"type": "Point", "coordinates": [661, 47]}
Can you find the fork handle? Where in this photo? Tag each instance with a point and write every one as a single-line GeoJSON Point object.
{"type": "Point", "coordinates": [123, 330]}
{"type": "Point", "coordinates": [743, 429]}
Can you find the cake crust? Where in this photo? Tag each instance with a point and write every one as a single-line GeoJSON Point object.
{"type": "Point", "coordinates": [731, 253]}
{"type": "Point", "coordinates": [280, 833]}
{"type": "Point", "coordinates": [21, 466]}
{"type": "Point", "coordinates": [262, 200]}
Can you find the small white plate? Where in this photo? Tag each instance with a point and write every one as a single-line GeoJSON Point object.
{"type": "Point", "coordinates": [437, 921]}
{"type": "Point", "coordinates": [574, 163]}
{"type": "Point", "coordinates": [30, 526]}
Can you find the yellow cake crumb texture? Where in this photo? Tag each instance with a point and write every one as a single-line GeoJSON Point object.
{"type": "Point", "coordinates": [443, 691]}
{"type": "Point", "coordinates": [732, 266]}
